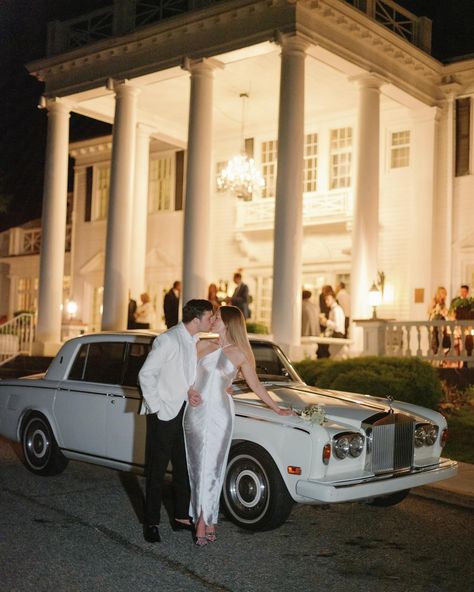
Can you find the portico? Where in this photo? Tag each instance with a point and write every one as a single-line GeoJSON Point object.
{"type": "Point", "coordinates": [310, 78]}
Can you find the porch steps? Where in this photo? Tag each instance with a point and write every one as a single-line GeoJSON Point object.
{"type": "Point", "coordinates": [25, 365]}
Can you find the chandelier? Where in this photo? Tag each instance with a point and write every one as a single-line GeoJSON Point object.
{"type": "Point", "coordinates": [241, 176]}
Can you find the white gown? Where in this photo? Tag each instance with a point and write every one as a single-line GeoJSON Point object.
{"type": "Point", "coordinates": [208, 434]}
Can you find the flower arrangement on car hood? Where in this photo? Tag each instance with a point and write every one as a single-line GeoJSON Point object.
{"type": "Point", "coordinates": [314, 414]}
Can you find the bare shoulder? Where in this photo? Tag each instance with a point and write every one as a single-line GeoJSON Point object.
{"type": "Point", "coordinates": [235, 355]}
{"type": "Point", "coordinates": [206, 346]}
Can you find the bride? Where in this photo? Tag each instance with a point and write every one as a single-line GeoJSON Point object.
{"type": "Point", "coordinates": [209, 418]}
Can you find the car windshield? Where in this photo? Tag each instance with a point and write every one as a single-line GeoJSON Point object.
{"type": "Point", "coordinates": [271, 363]}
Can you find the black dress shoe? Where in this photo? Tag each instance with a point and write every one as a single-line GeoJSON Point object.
{"type": "Point", "coordinates": [151, 534]}
{"type": "Point", "coordinates": [175, 525]}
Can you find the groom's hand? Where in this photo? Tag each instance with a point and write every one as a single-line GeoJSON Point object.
{"type": "Point", "coordinates": [194, 397]}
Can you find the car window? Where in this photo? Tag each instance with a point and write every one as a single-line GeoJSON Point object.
{"type": "Point", "coordinates": [137, 354]}
{"type": "Point", "coordinates": [99, 362]}
{"type": "Point", "coordinates": [267, 360]}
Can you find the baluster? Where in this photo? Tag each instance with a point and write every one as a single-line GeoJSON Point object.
{"type": "Point", "coordinates": [419, 353]}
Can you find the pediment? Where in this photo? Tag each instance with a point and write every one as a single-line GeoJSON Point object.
{"type": "Point", "coordinates": [159, 258]}
{"type": "Point", "coordinates": [467, 242]}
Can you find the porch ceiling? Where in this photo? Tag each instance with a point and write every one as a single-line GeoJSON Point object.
{"type": "Point", "coordinates": [164, 99]}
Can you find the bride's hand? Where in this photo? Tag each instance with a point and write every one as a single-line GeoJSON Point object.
{"type": "Point", "coordinates": [194, 397]}
{"type": "Point", "coordinates": [285, 411]}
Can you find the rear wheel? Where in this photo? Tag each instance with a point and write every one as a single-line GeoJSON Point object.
{"type": "Point", "coordinates": [40, 449]}
{"type": "Point", "coordinates": [255, 496]}
{"type": "Point", "coordinates": [391, 499]}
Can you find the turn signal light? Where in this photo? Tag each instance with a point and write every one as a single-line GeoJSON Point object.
{"type": "Point", "coordinates": [326, 453]}
{"type": "Point", "coordinates": [294, 470]}
{"type": "Point", "coordinates": [444, 436]}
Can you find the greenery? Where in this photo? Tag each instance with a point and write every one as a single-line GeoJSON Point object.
{"type": "Point", "coordinates": [463, 308]}
{"type": "Point", "coordinates": [259, 328]}
{"type": "Point", "coordinates": [461, 436]}
{"type": "Point", "coordinates": [406, 379]}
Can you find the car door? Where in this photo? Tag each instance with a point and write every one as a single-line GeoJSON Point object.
{"type": "Point", "coordinates": [125, 428]}
{"type": "Point", "coordinates": [81, 399]}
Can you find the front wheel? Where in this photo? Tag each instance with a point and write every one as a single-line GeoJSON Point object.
{"type": "Point", "coordinates": [391, 499]}
{"type": "Point", "coordinates": [40, 449]}
{"type": "Point", "coordinates": [254, 496]}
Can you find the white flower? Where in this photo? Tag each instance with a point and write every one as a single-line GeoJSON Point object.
{"type": "Point", "coordinates": [314, 414]}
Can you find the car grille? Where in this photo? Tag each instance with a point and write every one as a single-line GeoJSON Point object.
{"type": "Point", "coordinates": [392, 444]}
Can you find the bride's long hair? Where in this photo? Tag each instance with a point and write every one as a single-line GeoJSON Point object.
{"type": "Point", "coordinates": [234, 321]}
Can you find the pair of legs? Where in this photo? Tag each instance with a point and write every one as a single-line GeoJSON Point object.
{"type": "Point", "coordinates": [165, 442]}
{"type": "Point", "coordinates": [204, 532]}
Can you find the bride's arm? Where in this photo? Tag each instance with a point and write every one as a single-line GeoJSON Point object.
{"type": "Point", "coordinates": [254, 383]}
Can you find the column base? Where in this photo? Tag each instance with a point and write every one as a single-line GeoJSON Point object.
{"type": "Point", "coordinates": [45, 348]}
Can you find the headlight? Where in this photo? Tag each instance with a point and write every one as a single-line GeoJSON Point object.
{"type": "Point", "coordinates": [426, 435]}
{"type": "Point", "coordinates": [348, 444]}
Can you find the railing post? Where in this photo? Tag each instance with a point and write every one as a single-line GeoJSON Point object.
{"type": "Point", "coordinates": [374, 336]}
{"type": "Point", "coordinates": [423, 33]}
{"type": "Point", "coordinates": [124, 16]}
{"type": "Point", "coordinates": [56, 38]}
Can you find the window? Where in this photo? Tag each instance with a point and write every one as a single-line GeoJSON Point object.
{"type": "Point", "coordinates": [310, 163]}
{"type": "Point", "coordinates": [160, 183]}
{"type": "Point", "coordinates": [340, 157]}
{"type": "Point", "coordinates": [463, 124]}
{"type": "Point", "coordinates": [101, 194]}
{"type": "Point", "coordinates": [137, 354]}
{"type": "Point", "coordinates": [400, 149]}
{"type": "Point", "coordinates": [99, 362]}
{"type": "Point", "coordinates": [27, 294]}
{"type": "Point", "coordinates": [269, 167]}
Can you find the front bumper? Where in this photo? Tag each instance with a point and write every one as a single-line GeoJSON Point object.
{"type": "Point", "coordinates": [320, 491]}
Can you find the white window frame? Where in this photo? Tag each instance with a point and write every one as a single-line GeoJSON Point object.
{"type": "Point", "coordinates": [164, 183]}
{"type": "Point", "coordinates": [269, 154]}
{"type": "Point", "coordinates": [394, 148]}
{"type": "Point", "coordinates": [310, 172]}
{"type": "Point", "coordinates": [100, 195]}
{"type": "Point", "coordinates": [340, 157]}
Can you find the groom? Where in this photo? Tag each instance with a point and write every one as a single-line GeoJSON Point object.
{"type": "Point", "coordinates": [165, 378]}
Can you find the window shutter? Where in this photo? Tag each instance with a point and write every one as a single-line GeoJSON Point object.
{"type": "Point", "coordinates": [463, 124]}
{"type": "Point", "coordinates": [88, 200]}
{"type": "Point", "coordinates": [179, 181]}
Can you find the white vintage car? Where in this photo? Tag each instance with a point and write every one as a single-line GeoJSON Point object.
{"type": "Point", "coordinates": [85, 407]}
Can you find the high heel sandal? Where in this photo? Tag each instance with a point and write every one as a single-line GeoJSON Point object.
{"type": "Point", "coordinates": [211, 535]}
{"type": "Point", "coordinates": [200, 541]}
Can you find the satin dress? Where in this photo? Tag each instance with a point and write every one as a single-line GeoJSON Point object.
{"type": "Point", "coordinates": [208, 434]}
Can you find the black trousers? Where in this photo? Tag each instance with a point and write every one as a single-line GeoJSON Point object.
{"type": "Point", "coordinates": [164, 443]}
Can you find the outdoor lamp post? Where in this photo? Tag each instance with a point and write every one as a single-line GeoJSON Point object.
{"type": "Point", "coordinates": [71, 309]}
{"type": "Point", "coordinates": [375, 299]}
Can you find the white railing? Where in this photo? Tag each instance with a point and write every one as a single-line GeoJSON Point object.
{"type": "Point", "coordinates": [16, 337]}
{"type": "Point", "coordinates": [321, 208]}
{"type": "Point", "coordinates": [416, 30]}
{"type": "Point", "coordinates": [446, 342]}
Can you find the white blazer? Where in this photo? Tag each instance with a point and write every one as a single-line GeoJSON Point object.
{"type": "Point", "coordinates": [168, 372]}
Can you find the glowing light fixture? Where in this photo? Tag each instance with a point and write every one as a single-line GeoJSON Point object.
{"type": "Point", "coordinates": [375, 299]}
{"type": "Point", "coordinates": [241, 175]}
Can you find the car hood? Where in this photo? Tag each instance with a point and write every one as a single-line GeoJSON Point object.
{"type": "Point", "coordinates": [340, 407]}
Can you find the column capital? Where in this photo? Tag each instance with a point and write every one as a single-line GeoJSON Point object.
{"type": "Point", "coordinates": [122, 87]}
{"type": "Point", "coordinates": [143, 129]}
{"type": "Point", "coordinates": [54, 105]}
{"type": "Point", "coordinates": [201, 66]}
{"type": "Point", "coordinates": [291, 43]}
{"type": "Point", "coordinates": [369, 80]}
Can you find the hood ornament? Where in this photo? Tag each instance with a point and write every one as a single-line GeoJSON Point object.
{"type": "Point", "coordinates": [390, 403]}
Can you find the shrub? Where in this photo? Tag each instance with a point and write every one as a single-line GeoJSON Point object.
{"type": "Point", "coordinates": [258, 328]}
{"type": "Point", "coordinates": [406, 379]}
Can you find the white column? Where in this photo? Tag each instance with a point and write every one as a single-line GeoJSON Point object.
{"type": "Point", "coordinates": [53, 234]}
{"type": "Point", "coordinates": [288, 235]}
{"type": "Point", "coordinates": [423, 167]}
{"type": "Point", "coordinates": [140, 212]}
{"type": "Point", "coordinates": [365, 227]}
{"type": "Point", "coordinates": [196, 249]}
{"type": "Point", "coordinates": [119, 219]}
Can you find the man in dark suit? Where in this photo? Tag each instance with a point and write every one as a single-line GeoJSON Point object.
{"type": "Point", "coordinates": [240, 297]}
{"type": "Point", "coordinates": [171, 305]}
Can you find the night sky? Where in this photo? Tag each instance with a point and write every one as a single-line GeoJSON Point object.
{"type": "Point", "coordinates": [23, 126]}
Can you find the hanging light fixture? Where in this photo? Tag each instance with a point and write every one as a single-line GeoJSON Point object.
{"type": "Point", "coordinates": [241, 175]}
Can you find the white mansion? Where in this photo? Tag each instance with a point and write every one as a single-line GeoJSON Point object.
{"type": "Point", "coordinates": [365, 143]}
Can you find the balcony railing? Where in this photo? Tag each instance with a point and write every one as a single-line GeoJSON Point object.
{"type": "Point", "coordinates": [16, 337]}
{"type": "Point", "coordinates": [416, 30]}
{"type": "Point", "coordinates": [318, 209]}
{"type": "Point", "coordinates": [127, 15]}
{"type": "Point", "coordinates": [27, 241]}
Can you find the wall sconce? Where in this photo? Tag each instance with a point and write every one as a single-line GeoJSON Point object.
{"type": "Point", "coordinates": [375, 299]}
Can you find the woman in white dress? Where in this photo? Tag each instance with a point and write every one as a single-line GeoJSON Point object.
{"type": "Point", "coordinates": [208, 425]}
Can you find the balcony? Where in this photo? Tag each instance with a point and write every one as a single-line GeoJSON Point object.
{"type": "Point", "coordinates": [124, 16]}
{"type": "Point", "coordinates": [318, 209]}
{"type": "Point", "coordinates": [27, 241]}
